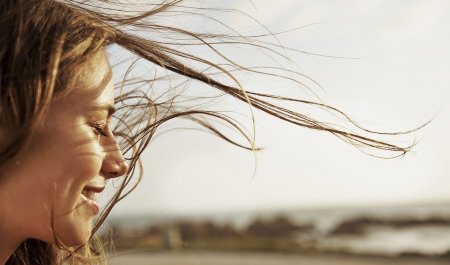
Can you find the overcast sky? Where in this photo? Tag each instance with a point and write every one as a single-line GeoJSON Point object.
{"type": "Point", "coordinates": [400, 80]}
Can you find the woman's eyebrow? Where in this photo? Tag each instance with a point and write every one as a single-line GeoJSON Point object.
{"type": "Point", "coordinates": [105, 107]}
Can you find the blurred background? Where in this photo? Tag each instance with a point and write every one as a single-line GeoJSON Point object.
{"type": "Point", "coordinates": [309, 197]}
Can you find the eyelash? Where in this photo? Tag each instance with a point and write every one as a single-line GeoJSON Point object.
{"type": "Point", "coordinates": [99, 128]}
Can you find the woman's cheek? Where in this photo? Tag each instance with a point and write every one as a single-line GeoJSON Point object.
{"type": "Point", "coordinates": [77, 173]}
{"type": "Point", "coordinates": [87, 166]}
{"type": "Point", "coordinates": [87, 155]}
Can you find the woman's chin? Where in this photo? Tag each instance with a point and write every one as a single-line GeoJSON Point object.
{"type": "Point", "coordinates": [75, 238]}
{"type": "Point", "coordinates": [74, 231]}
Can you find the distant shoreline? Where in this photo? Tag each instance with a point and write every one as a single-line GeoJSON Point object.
{"type": "Point", "coordinates": [409, 231]}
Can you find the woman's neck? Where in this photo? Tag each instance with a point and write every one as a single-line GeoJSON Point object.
{"type": "Point", "coordinates": [10, 234]}
{"type": "Point", "coordinates": [8, 243]}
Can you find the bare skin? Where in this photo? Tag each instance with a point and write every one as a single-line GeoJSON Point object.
{"type": "Point", "coordinates": [68, 161]}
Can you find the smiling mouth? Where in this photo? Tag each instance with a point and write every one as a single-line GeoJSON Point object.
{"type": "Point", "coordinates": [89, 195]}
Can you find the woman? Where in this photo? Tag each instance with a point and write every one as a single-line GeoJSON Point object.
{"type": "Point", "coordinates": [58, 144]}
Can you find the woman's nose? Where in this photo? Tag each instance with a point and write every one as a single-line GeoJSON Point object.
{"type": "Point", "coordinates": [114, 164]}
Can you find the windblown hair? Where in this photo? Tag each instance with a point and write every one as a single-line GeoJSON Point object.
{"type": "Point", "coordinates": [44, 42]}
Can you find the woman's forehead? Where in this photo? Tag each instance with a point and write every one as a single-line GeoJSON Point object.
{"type": "Point", "coordinates": [94, 81]}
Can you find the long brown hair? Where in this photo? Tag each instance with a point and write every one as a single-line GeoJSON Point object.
{"type": "Point", "coordinates": [43, 43]}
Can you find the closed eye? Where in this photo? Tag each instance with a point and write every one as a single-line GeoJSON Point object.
{"type": "Point", "coordinates": [100, 129]}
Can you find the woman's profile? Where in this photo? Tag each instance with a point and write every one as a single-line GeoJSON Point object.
{"type": "Point", "coordinates": [66, 129]}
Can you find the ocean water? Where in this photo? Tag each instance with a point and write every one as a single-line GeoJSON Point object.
{"type": "Point", "coordinates": [429, 240]}
{"type": "Point", "coordinates": [412, 229]}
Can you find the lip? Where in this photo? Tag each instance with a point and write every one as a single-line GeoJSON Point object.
{"type": "Point", "coordinates": [96, 189]}
{"type": "Point", "coordinates": [89, 196]}
{"type": "Point", "coordinates": [92, 204]}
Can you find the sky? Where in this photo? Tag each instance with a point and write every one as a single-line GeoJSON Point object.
{"type": "Point", "coordinates": [393, 76]}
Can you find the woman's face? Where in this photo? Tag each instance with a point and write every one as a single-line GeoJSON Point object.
{"type": "Point", "coordinates": [55, 180]}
